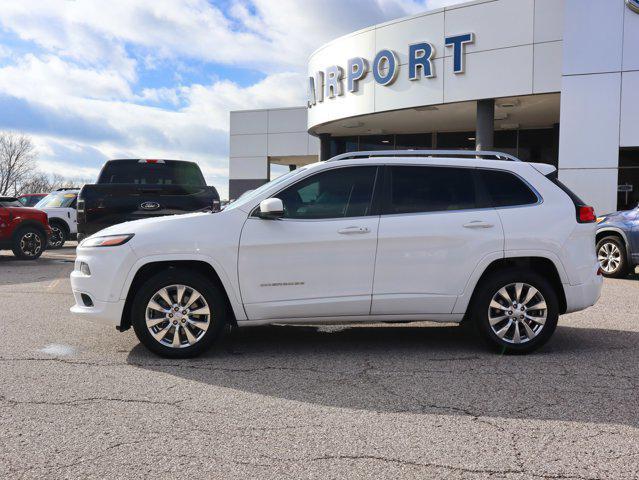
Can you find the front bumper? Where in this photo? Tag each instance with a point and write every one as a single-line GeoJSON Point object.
{"type": "Point", "coordinates": [101, 312]}
{"type": "Point", "coordinates": [99, 294]}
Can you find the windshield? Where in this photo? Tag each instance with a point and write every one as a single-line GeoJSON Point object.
{"type": "Point", "coordinates": [250, 195]}
{"type": "Point", "coordinates": [57, 199]}
{"type": "Point", "coordinates": [169, 172]}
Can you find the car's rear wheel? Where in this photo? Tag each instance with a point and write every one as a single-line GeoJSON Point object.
{"type": "Point", "coordinates": [58, 237]}
{"type": "Point", "coordinates": [28, 243]}
{"type": "Point", "coordinates": [611, 253]}
{"type": "Point", "coordinates": [516, 311]}
{"type": "Point", "coordinates": [178, 314]}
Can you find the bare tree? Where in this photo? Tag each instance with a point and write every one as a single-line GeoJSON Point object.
{"type": "Point", "coordinates": [17, 161]}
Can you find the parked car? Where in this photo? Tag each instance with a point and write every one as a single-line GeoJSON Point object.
{"type": "Point", "coordinates": [30, 199]}
{"type": "Point", "coordinates": [373, 236]}
{"type": "Point", "coordinates": [143, 188]}
{"type": "Point", "coordinates": [61, 207]}
{"type": "Point", "coordinates": [23, 230]}
{"type": "Point", "coordinates": [618, 242]}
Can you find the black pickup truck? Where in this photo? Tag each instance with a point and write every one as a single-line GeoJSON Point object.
{"type": "Point", "coordinates": [142, 188]}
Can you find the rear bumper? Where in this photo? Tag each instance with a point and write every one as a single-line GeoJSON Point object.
{"type": "Point", "coordinates": [580, 297]}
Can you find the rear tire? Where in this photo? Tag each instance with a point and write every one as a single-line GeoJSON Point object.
{"type": "Point", "coordinates": [515, 311]}
{"type": "Point", "coordinates": [29, 243]}
{"type": "Point", "coordinates": [59, 236]}
{"type": "Point", "coordinates": [612, 257]}
{"type": "Point", "coordinates": [175, 302]}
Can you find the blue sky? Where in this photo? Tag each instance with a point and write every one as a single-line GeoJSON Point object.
{"type": "Point", "coordinates": [91, 80]}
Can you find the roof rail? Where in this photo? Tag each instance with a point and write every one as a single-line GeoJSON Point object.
{"type": "Point", "coordinates": [62, 189]}
{"type": "Point", "coordinates": [426, 153]}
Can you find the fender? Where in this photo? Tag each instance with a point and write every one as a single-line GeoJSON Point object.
{"type": "Point", "coordinates": [231, 290]}
{"type": "Point", "coordinates": [616, 230]}
{"type": "Point", "coordinates": [464, 299]}
{"type": "Point", "coordinates": [29, 223]}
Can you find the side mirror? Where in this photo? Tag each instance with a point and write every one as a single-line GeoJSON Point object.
{"type": "Point", "coordinates": [271, 208]}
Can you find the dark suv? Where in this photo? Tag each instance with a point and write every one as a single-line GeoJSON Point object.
{"type": "Point", "coordinates": [618, 242]}
{"type": "Point", "coordinates": [22, 229]}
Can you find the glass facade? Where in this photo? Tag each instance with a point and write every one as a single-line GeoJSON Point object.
{"type": "Point", "coordinates": [531, 145]}
{"type": "Point", "coordinates": [628, 179]}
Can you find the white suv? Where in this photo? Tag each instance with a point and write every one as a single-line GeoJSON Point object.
{"type": "Point", "coordinates": [372, 236]}
{"type": "Point", "coordinates": [61, 208]}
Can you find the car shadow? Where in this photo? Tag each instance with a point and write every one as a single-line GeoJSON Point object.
{"type": "Point", "coordinates": [582, 375]}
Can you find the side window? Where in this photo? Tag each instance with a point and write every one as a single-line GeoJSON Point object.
{"type": "Point", "coordinates": [506, 189]}
{"type": "Point", "coordinates": [430, 189]}
{"type": "Point", "coordinates": [342, 192]}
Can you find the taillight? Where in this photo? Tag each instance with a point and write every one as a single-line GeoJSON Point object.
{"type": "Point", "coordinates": [586, 214]}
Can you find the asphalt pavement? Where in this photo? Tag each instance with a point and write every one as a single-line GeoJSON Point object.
{"type": "Point", "coordinates": [81, 400]}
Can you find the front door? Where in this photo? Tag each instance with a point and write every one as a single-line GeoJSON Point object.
{"type": "Point", "coordinates": [433, 232]}
{"type": "Point", "coordinates": [318, 260]}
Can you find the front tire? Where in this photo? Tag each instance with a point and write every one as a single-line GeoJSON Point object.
{"type": "Point", "coordinates": [178, 313]}
{"type": "Point", "coordinates": [58, 237]}
{"type": "Point", "coordinates": [515, 311]}
{"type": "Point", "coordinates": [612, 257]}
{"type": "Point", "coordinates": [29, 243]}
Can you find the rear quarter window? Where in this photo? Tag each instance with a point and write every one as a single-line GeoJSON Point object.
{"type": "Point", "coordinates": [505, 189]}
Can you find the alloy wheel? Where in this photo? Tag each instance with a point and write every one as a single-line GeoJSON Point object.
{"type": "Point", "coordinates": [609, 257]}
{"type": "Point", "coordinates": [30, 244]}
{"type": "Point", "coordinates": [517, 313]}
{"type": "Point", "coordinates": [177, 316]}
{"type": "Point", "coordinates": [57, 237]}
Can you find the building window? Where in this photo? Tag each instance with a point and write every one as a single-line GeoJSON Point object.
{"type": "Point", "coordinates": [414, 141]}
{"type": "Point", "coordinates": [628, 179]}
{"type": "Point", "coordinates": [339, 145]}
{"type": "Point", "coordinates": [456, 140]}
{"type": "Point", "coordinates": [377, 142]}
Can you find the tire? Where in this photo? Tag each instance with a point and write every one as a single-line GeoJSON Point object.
{"type": "Point", "coordinates": [503, 334]}
{"type": "Point", "coordinates": [164, 322]}
{"type": "Point", "coordinates": [29, 243]}
{"type": "Point", "coordinates": [59, 235]}
{"type": "Point", "coordinates": [612, 257]}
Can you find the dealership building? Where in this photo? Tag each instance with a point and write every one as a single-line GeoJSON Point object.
{"type": "Point", "coordinates": [553, 81]}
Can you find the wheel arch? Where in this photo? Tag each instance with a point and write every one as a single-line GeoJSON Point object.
{"type": "Point", "coordinates": [61, 222]}
{"type": "Point", "coordinates": [29, 223]}
{"type": "Point", "coordinates": [541, 265]}
{"type": "Point", "coordinates": [150, 268]}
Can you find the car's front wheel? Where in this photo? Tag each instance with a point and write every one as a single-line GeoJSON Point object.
{"type": "Point", "coordinates": [29, 243]}
{"type": "Point", "coordinates": [516, 311]}
{"type": "Point", "coordinates": [178, 313]}
{"type": "Point", "coordinates": [58, 236]}
{"type": "Point", "coordinates": [611, 253]}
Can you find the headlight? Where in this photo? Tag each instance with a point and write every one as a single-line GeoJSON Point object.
{"type": "Point", "coordinates": [107, 241]}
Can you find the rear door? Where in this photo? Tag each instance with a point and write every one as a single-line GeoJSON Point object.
{"type": "Point", "coordinates": [435, 228]}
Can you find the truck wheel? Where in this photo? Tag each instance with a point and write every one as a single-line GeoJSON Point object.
{"type": "Point", "coordinates": [28, 243]}
{"type": "Point", "coordinates": [611, 253]}
{"type": "Point", "coordinates": [58, 236]}
{"type": "Point", "coordinates": [515, 311]}
{"type": "Point", "coordinates": [178, 313]}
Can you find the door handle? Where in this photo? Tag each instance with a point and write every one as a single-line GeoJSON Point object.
{"type": "Point", "coordinates": [478, 224]}
{"type": "Point", "coordinates": [349, 230]}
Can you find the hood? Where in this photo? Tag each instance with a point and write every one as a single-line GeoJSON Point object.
{"type": "Point", "coordinates": [166, 223]}
{"type": "Point", "coordinates": [27, 212]}
{"type": "Point", "coordinates": [620, 216]}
